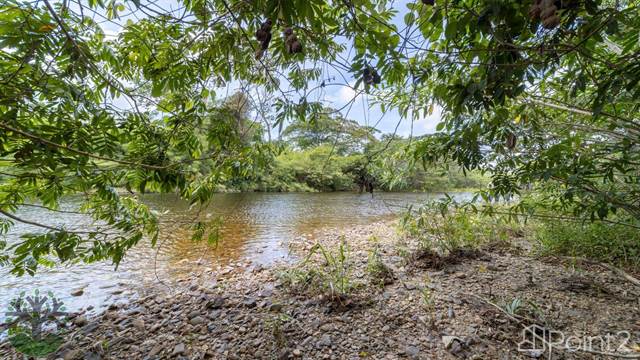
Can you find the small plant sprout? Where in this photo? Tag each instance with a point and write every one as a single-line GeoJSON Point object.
{"type": "Point", "coordinates": [331, 274]}
{"type": "Point", "coordinates": [275, 325]}
{"type": "Point", "coordinates": [426, 293]}
{"type": "Point", "coordinates": [514, 307]}
{"type": "Point", "coordinates": [380, 273]}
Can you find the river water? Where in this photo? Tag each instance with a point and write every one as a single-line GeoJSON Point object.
{"type": "Point", "coordinates": [256, 228]}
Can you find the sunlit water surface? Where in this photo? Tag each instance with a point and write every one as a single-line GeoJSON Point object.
{"type": "Point", "coordinates": [256, 227]}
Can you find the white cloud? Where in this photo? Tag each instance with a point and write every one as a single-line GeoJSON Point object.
{"type": "Point", "coordinates": [422, 125]}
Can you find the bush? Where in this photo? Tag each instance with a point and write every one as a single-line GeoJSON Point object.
{"type": "Point", "coordinates": [315, 169]}
{"type": "Point", "coordinates": [612, 243]}
{"type": "Point", "coordinates": [378, 271]}
{"type": "Point", "coordinates": [456, 229]}
{"type": "Point", "coordinates": [330, 274]}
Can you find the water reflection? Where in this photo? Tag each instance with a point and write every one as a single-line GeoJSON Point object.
{"type": "Point", "coordinates": [256, 227]}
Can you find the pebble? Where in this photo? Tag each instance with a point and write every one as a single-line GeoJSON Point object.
{"type": "Point", "coordinates": [215, 303]}
{"type": "Point", "coordinates": [324, 341]}
{"type": "Point", "coordinates": [138, 324]}
{"type": "Point", "coordinates": [179, 349]}
{"type": "Point", "coordinates": [412, 352]}
{"type": "Point", "coordinates": [388, 323]}
{"type": "Point", "coordinates": [198, 320]}
{"type": "Point", "coordinates": [72, 354]}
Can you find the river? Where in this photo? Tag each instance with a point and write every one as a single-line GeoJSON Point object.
{"type": "Point", "coordinates": [256, 228]}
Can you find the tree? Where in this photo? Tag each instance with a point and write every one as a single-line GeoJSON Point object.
{"type": "Point", "coordinates": [330, 128]}
{"type": "Point", "coordinates": [540, 93]}
{"type": "Point", "coordinates": [535, 91]}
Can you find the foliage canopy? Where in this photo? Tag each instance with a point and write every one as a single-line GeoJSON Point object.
{"type": "Point", "coordinates": [536, 92]}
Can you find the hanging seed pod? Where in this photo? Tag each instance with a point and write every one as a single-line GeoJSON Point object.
{"type": "Point", "coordinates": [263, 35]}
{"type": "Point", "coordinates": [370, 76]}
{"type": "Point", "coordinates": [551, 22]}
{"type": "Point", "coordinates": [429, 2]}
{"type": "Point", "coordinates": [535, 10]}
{"type": "Point", "coordinates": [291, 42]}
{"type": "Point", "coordinates": [511, 141]}
{"type": "Point", "coordinates": [548, 12]}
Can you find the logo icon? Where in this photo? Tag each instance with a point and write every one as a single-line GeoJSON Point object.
{"type": "Point", "coordinates": [536, 341]}
{"type": "Point", "coordinates": [33, 322]}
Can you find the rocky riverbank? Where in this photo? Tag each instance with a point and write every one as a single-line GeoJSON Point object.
{"type": "Point", "coordinates": [383, 298]}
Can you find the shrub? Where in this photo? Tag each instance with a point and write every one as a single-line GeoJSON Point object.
{"type": "Point", "coordinates": [613, 243]}
{"type": "Point", "coordinates": [455, 229]}
{"type": "Point", "coordinates": [379, 272]}
{"type": "Point", "coordinates": [331, 274]}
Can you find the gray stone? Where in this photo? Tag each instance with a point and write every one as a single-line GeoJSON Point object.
{"type": "Point", "coordinates": [250, 302]}
{"type": "Point", "coordinates": [412, 352]}
{"type": "Point", "coordinates": [72, 354]}
{"type": "Point", "coordinates": [179, 349]}
{"type": "Point", "coordinates": [325, 341]}
{"type": "Point", "coordinates": [198, 320]}
{"type": "Point", "coordinates": [138, 324]}
{"type": "Point", "coordinates": [215, 303]}
{"type": "Point", "coordinates": [155, 351]}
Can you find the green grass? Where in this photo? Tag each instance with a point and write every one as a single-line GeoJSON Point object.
{"type": "Point", "coordinates": [458, 229]}
{"type": "Point", "coordinates": [379, 273]}
{"type": "Point", "coordinates": [330, 274]}
{"type": "Point", "coordinates": [611, 243]}
{"type": "Point", "coordinates": [37, 348]}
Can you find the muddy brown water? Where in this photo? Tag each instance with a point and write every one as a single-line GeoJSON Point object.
{"type": "Point", "coordinates": [256, 228]}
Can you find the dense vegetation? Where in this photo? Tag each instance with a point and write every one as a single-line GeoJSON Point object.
{"type": "Point", "coordinates": [543, 95]}
{"type": "Point", "coordinates": [330, 153]}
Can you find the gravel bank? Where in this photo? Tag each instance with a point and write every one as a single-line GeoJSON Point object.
{"type": "Point", "coordinates": [423, 307]}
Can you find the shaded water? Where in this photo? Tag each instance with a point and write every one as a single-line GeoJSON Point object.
{"type": "Point", "coordinates": [256, 227]}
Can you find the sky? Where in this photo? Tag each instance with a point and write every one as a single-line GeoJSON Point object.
{"type": "Point", "coordinates": [363, 110]}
